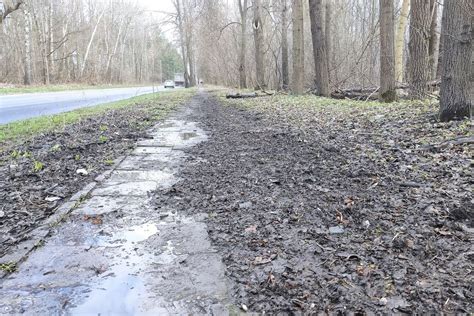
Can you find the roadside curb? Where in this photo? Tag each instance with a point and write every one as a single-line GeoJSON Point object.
{"type": "Point", "coordinates": [21, 252]}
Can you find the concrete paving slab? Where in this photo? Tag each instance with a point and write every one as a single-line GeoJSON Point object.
{"type": "Point", "coordinates": [138, 188]}
{"type": "Point", "coordinates": [118, 254]}
{"type": "Point", "coordinates": [152, 150]}
{"type": "Point", "coordinates": [100, 205]}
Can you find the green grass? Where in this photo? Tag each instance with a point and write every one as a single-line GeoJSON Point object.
{"type": "Point", "coordinates": [56, 88]}
{"type": "Point", "coordinates": [22, 130]}
{"type": "Point", "coordinates": [9, 267]}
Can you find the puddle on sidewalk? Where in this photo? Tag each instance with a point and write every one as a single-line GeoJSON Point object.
{"type": "Point", "coordinates": [122, 288]}
{"type": "Point", "coordinates": [140, 233]}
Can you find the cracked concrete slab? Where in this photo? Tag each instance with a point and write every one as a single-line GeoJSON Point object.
{"type": "Point", "coordinates": [117, 254]}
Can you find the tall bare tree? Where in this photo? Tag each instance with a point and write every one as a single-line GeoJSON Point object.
{"type": "Point", "coordinates": [284, 45]}
{"type": "Point", "coordinates": [321, 80]}
{"type": "Point", "coordinates": [400, 39]}
{"type": "Point", "coordinates": [8, 8]}
{"type": "Point", "coordinates": [418, 47]}
{"type": "Point", "coordinates": [259, 41]}
{"type": "Point", "coordinates": [243, 9]}
{"type": "Point", "coordinates": [387, 51]}
{"type": "Point", "coordinates": [297, 84]}
{"type": "Point", "coordinates": [433, 47]}
{"type": "Point", "coordinates": [328, 36]}
{"type": "Point", "coordinates": [457, 73]}
{"type": "Point", "coordinates": [27, 41]}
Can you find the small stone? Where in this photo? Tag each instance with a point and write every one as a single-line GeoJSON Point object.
{"type": "Point", "coordinates": [383, 301]}
{"type": "Point", "coordinates": [366, 224]}
{"type": "Point", "coordinates": [2, 214]}
{"type": "Point", "coordinates": [336, 230]}
{"type": "Point", "coordinates": [52, 198]}
{"type": "Point", "coordinates": [244, 307]}
{"type": "Point", "coordinates": [82, 172]}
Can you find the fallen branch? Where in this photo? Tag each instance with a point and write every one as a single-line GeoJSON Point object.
{"type": "Point", "coordinates": [463, 140]}
{"type": "Point", "coordinates": [239, 95]}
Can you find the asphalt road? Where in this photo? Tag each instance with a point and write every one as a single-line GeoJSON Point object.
{"type": "Point", "coordinates": [24, 106]}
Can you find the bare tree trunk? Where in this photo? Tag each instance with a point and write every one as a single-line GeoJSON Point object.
{"type": "Point", "coordinates": [27, 58]}
{"type": "Point", "coordinates": [284, 46]}
{"type": "Point", "coordinates": [243, 9]}
{"type": "Point", "coordinates": [321, 80]}
{"type": "Point", "coordinates": [86, 55]}
{"type": "Point", "coordinates": [457, 86]}
{"type": "Point", "coordinates": [328, 37]}
{"type": "Point", "coordinates": [297, 84]}
{"type": "Point", "coordinates": [108, 68]}
{"type": "Point", "coordinates": [400, 40]}
{"type": "Point", "coordinates": [433, 48]}
{"type": "Point", "coordinates": [258, 40]}
{"type": "Point", "coordinates": [42, 39]}
{"type": "Point", "coordinates": [188, 35]}
{"type": "Point", "coordinates": [50, 55]}
{"type": "Point", "coordinates": [418, 47]}
{"type": "Point", "coordinates": [6, 9]}
{"type": "Point", "coordinates": [387, 52]}
{"type": "Point", "coordinates": [177, 4]}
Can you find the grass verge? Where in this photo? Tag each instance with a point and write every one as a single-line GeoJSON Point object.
{"type": "Point", "coordinates": [20, 131]}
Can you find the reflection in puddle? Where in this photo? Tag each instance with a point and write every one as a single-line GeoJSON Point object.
{"type": "Point", "coordinates": [140, 233]}
{"type": "Point", "coordinates": [123, 288]}
{"type": "Point", "coordinates": [118, 295]}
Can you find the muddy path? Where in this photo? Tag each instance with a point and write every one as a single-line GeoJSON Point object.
{"type": "Point", "coordinates": [39, 175]}
{"type": "Point", "coordinates": [308, 219]}
{"type": "Point", "coordinates": [116, 253]}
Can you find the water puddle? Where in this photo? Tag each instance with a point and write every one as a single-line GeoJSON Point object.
{"type": "Point", "coordinates": [122, 288]}
{"type": "Point", "coordinates": [140, 233]}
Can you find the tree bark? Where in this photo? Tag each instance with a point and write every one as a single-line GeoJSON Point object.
{"type": "Point", "coordinates": [284, 46]}
{"type": "Point", "coordinates": [418, 48]}
{"type": "Point", "coordinates": [328, 36]}
{"type": "Point", "coordinates": [297, 85]}
{"type": "Point", "coordinates": [456, 95]}
{"type": "Point", "coordinates": [258, 40]}
{"type": "Point", "coordinates": [433, 47]}
{"type": "Point", "coordinates": [188, 35]}
{"type": "Point", "coordinates": [177, 4]}
{"type": "Point", "coordinates": [400, 40]}
{"type": "Point", "coordinates": [50, 54]}
{"type": "Point", "coordinates": [243, 9]}
{"type": "Point", "coordinates": [321, 80]}
{"type": "Point", "coordinates": [387, 91]}
{"type": "Point", "coordinates": [27, 58]}
{"type": "Point", "coordinates": [6, 10]}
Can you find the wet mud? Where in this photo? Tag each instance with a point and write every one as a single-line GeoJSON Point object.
{"type": "Point", "coordinates": [327, 218]}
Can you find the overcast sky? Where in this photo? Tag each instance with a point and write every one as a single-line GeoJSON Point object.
{"type": "Point", "coordinates": [161, 6]}
{"type": "Point", "coordinates": [158, 5]}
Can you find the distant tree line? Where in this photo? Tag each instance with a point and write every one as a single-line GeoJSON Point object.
{"type": "Point", "coordinates": [60, 41]}
{"type": "Point", "coordinates": [396, 47]}
{"type": "Point", "coordinates": [318, 46]}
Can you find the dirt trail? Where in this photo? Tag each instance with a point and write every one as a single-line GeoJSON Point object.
{"type": "Point", "coordinates": [226, 209]}
{"type": "Point", "coordinates": [308, 220]}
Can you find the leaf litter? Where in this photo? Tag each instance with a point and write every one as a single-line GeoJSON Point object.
{"type": "Point", "coordinates": [330, 206]}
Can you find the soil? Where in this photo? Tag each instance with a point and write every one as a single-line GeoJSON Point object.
{"type": "Point", "coordinates": [40, 174]}
{"type": "Point", "coordinates": [341, 211]}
